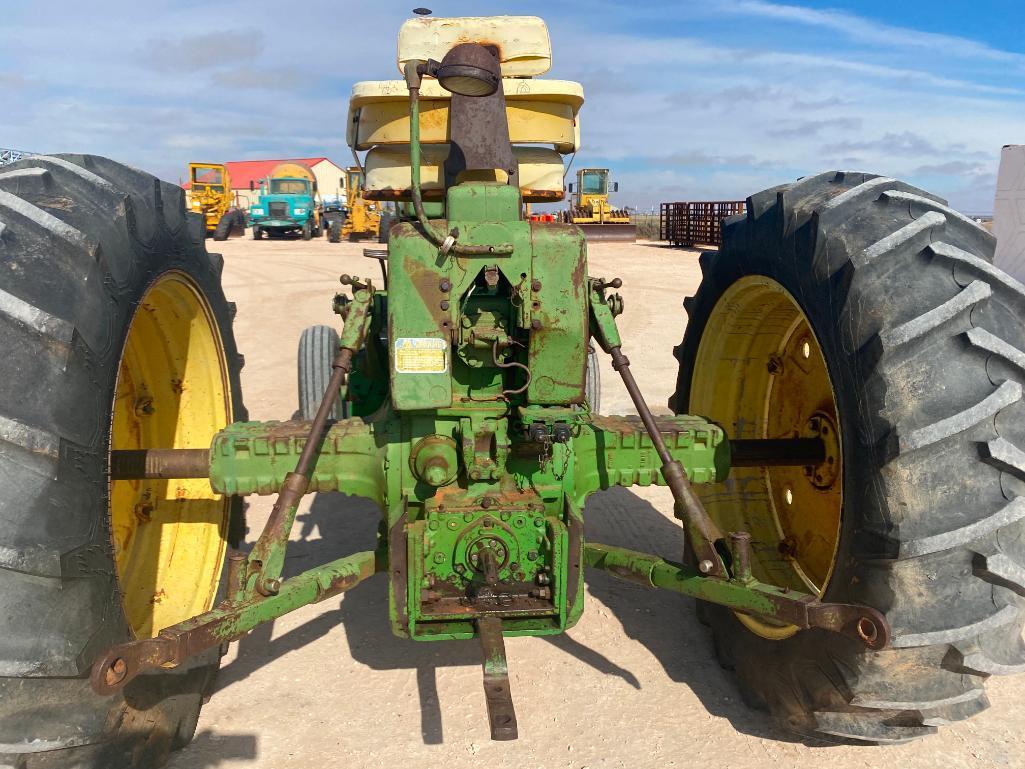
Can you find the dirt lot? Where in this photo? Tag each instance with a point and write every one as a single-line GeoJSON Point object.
{"type": "Point", "coordinates": [634, 684]}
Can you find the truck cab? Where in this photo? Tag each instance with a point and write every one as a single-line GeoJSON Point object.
{"type": "Point", "coordinates": [288, 203]}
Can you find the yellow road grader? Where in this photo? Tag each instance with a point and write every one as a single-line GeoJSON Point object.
{"type": "Point", "coordinates": [210, 196]}
{"type": "Point", "coordinates": [363, 218]}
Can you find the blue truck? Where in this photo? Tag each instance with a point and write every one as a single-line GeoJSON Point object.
{"type": "Point", "coordinates": [288, 204]}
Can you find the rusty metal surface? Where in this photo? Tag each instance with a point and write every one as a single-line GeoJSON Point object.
{"type": "Point", "coordinates": [742, 593]}
{"type": "Point", "coordinates": [696, 222]}
{"type": "Point", "coordinates": [227, 621]}
{"type": "Point", "coordinates": [131, 464]}
{"type": "Point", "coordinates": [776, 452]}
{"type": "Point", "coordinates": [479, 132]}
{"type": "Point", "coordinates": [701, 531]}
{"type": "Point", "coordinates": [497, 693]}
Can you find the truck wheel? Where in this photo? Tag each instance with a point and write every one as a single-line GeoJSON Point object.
{"type": "Point", "coordinates": [865, 311]}
{"type": "Point", "coordinates": [224, 226]}
{"type": "Point", "coordinates": [108, 293]}
{"type": "Point", "coordinates": [257, 233]}
{"type": "Point", "coordinates": [592, 385]}
{"type": "Point", "coordinates": [239, 227]}
{"type": "Point", "coordinates": [307, 230]}
{"type": "Point", "coordinates": [318, 346]}
{"type": "Point", "coordinates": [334, 233]}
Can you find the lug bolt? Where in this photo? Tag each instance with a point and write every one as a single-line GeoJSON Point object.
{"type": "Point", "coordinates": [444, 305]}
{"type": "Point", "coordinates": [445, 285]}
{"type": "Point", "coordinates": [535, 285]}
{"type": "Point", "coordinates": [705, 566]}
{"type": "Point", "coordinates": [439, 558]}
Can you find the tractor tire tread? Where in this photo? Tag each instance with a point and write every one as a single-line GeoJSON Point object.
{"type": "Point", "coordinates": [949, 570]}
{"type": "Point", "coordinates": [84, 237]}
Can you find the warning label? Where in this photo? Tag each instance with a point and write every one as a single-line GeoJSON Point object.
{"type": "Point", "coordinates": [420, 355]}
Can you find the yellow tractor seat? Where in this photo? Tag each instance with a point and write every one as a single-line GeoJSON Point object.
{"type": "Point", "coordinates": [521, 42]}
{"type": "Point", "coordinates": [388, 174]}
{"type": "Point", "coordinates": [539, 112]}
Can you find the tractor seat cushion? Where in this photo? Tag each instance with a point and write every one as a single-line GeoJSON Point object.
{"type": "Point", "coordinates": [388, 175]}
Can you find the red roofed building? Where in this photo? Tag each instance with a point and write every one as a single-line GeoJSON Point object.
{"type": "Point", "coordinates": [330, 177]}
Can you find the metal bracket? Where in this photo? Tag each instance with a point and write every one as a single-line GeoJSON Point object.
{"type": "Point", "coordinates": [229, 621]}
{"type": "Point", "coordinates": [743, 593]}
{"type": "Point", "coordinates": [501, 713]}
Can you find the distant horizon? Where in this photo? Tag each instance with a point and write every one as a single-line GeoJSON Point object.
{"type": "Point", "coordinates": [684, 101]}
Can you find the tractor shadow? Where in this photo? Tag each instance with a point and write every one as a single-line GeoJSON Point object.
{"type": "Point", "coordinates": [664, 623]}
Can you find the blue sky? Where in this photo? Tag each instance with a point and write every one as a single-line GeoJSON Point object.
{"type": "Point", "coordinates": [712, 99]}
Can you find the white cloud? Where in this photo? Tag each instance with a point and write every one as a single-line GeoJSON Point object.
{"type": "Point", "coordinates": [682, 101]}
{"type": "Point", "coordinates": [864, 30]}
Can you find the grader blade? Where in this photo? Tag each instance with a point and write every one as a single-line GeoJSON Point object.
{"type": "Point", "coordinates": [609, 233]}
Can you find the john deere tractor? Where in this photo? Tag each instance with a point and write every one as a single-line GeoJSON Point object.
{"type": "Point", "coordinates": [210, 195]}
{"type": "Point", "coordinates": [846, 453]}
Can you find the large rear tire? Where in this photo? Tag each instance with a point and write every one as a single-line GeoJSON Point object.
{"type": "Point", "coordinates": [108, 289]}
{"type": "Point", "coordinates": [318, 346]}
{"type": "Point", "coordinates": [334, 232]}
{"type": "Point", "coordinates": [865, 296]}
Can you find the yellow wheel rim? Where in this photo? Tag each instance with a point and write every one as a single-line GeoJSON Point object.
{"type": "Point", "coordinates": [172, 392]}
{"type": "Point", "coordinates": [760, 373]}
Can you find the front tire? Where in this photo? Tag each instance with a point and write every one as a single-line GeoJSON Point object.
{"type": "Point", "coordinates": [225, 226]}
{"type": "Point", "coordinates": [86, 242]}
{"type": "Point", "coordinates": [307, 230]}
{"type": "Point", "coordinates": [318, 346]}
{"type": "Point", "coordinates": [923, 344]}
{"type": "Point", "coordinates": [334, 232]}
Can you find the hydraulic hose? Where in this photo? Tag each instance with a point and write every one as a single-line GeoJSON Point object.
{"type": "Point", "coordinates": [448, 243]}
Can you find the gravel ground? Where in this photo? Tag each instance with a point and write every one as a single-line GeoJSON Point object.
{"type": "Point", "coordinates": [634, 684]}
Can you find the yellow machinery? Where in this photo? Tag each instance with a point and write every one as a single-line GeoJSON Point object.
{"type": "Point", "coordinates": [364, 218]}
{"type": "Point", "coordinates": [593, 213]}
{"type": "Point", "coordinates": [210, 195]}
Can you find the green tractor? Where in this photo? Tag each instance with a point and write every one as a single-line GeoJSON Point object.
{"type": "Point", "coordinates": [847, 454]}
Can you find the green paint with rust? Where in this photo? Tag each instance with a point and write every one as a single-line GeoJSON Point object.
{"type": "Point", "coordinates": [536, 297]}
{"type": "Point", "coordinates": [651, 571]}
{"type": "Point", "coordinates": [230, 621]}
{"type": "Point", "coordinates": [532, 510]}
